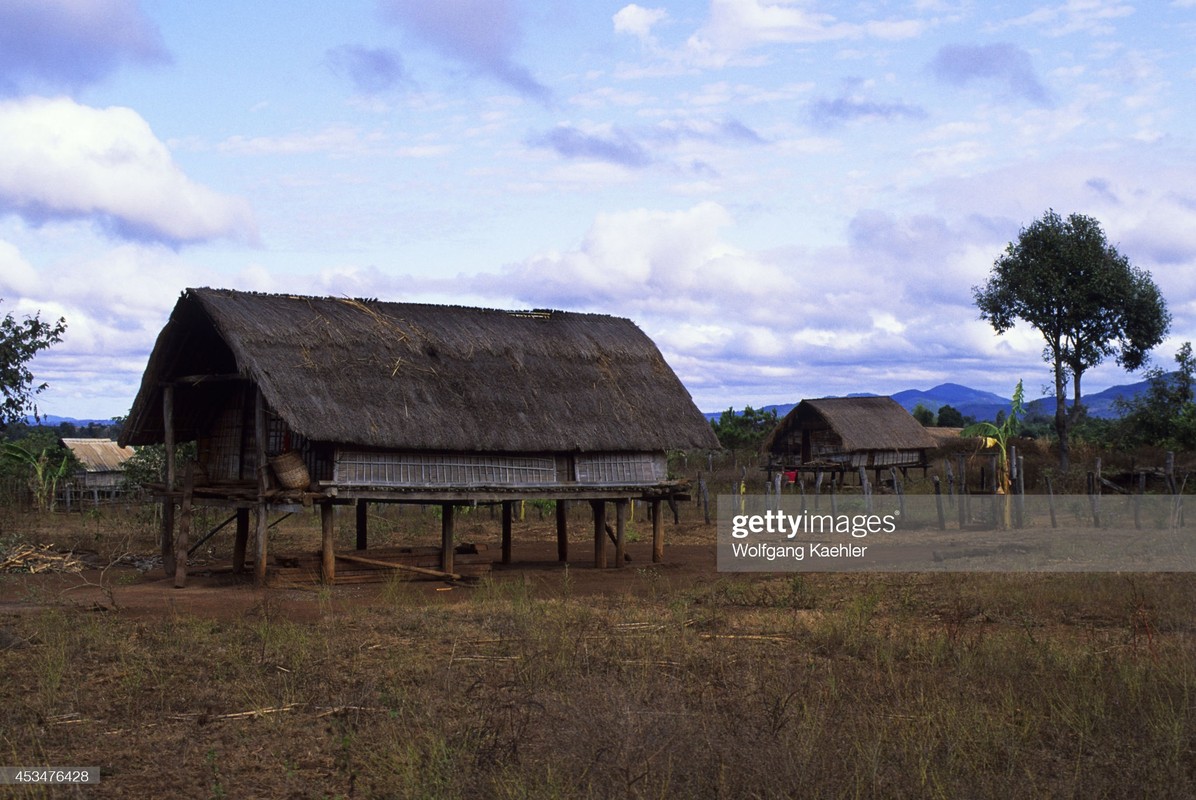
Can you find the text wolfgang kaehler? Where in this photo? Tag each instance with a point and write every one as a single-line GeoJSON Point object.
{"type": "Point", "coordinates": [778, 523]}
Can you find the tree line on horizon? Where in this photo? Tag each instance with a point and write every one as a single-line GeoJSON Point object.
{"type": "Point", "coordinates": [1061, 276]}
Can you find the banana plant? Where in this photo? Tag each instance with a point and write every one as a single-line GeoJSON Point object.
{"type": "Point", "coordinates": [998, 436]}
{"type": "Point", "coordinates": [44, 476]}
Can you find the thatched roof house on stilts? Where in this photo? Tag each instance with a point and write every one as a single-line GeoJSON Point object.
{"type": "Point", "coordinates": [359, 401]}
{"type": "Point", "coordinates": [848, 434]}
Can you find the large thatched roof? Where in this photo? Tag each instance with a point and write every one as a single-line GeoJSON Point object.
{"type": "Point", "coordinates": [861, 423]}
{"type": "Point", "coordinates": [423, 377]}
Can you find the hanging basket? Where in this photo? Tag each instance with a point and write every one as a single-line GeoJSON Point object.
{"type": "Point", "coordinates": [291, 471]}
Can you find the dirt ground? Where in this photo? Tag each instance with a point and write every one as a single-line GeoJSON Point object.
{"type": "Point", "coordinates": [554, 680]}
{"type": "Point", "coordinates": [215, 596]}
{"type": "Point", "coordinates": [212, 593]}
{"type": "Point", "coordinates": [690, 560]}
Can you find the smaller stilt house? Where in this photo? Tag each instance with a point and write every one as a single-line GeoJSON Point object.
{"type": "Point", "coordinates": [334, 401]}
{"type": "Point", "coordinates": [848, 434]}
{"type": "Point", "coordinates": [101, 469]}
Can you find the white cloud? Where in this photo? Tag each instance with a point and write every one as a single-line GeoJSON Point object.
{"type": "Point", "coordinates": [725, 316]}
{"type": "Point", "coordinates": [17, 276]}
{"type": "Point", "coordinates": [62, 160]}
{"type": "Point", "coordinates": [1073, 16]}
{"type": "Point", "coordinates": [337, 140]}
{"type": "Point", "coordinates": [110, 325]}
{"type": "Point", "coordinates": [638, 21]}
{"type": "Point", "coordinates": [735, 26]}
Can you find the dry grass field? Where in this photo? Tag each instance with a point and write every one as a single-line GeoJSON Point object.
{"type": "Point", "coordinates": [541, 681]}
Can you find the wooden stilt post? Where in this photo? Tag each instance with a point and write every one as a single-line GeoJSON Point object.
{"type": "Point", "coordinates": [263, 485]}
{"type": "Point", "coordinates": [180, 544]}
{"type": "Point", "coordinates": [508, 512]}
{"type": "Point", "coordinates": [657, 533]}
{"type": "Point", "coordinates": [446, 537]}
{"type": "Point", "coordinates": [241, 540]}
{"type": "Point", "coordinates": [620, 531]}
{"type": "Point", "coordinates": [938, 502]}
{"type": "Point", "coordinates": [599, 507]}
{"type": "Point", "coordinates": [167, 542]}
{"type": "Point", "coordinates": [327, 544]}
{"type": "Point", "coordinates": [362, 524]}
{"type": "Point", "coordinates": [562, 530]}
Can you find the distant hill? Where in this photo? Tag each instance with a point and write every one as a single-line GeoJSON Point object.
{"type": "Point", "coordinates": [781, 410]}
{"type": "Point", "coordinates": [53, 421]}
{"type": "Point", "coordinates": [1099, 404]}
{"type": "Point", "coordinates": [984, 405]}
{"type": "Point", "coordinates": [967, 401]}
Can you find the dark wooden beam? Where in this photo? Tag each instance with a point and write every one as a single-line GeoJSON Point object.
{"type": "Point", "coordinates": [446, 536]}
{"type": "Point", "coordinates": [562, 530]}
{"type": "Point", "coordinates": [620, 531]}
{"type": "Point", "coordinates": [327, 544]}
{"type": "Point", "coordinates": [194, 380]}
{"type": "Point", "coordinates": [507, 514]}
{"type": "Point", "coordinates": [599, 507]}
{"type": "Point", "coordinates": [263, 486]}
{"type": "Point", "coordinates": [167, 543]}
{"type": "Point", "coordinates": [657, 533]}
{"type": "Point", "coordinates": [180, 545]}
{"type": "Point", "coordinates": [241, 541]}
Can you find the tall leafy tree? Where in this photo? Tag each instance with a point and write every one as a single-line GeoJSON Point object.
{"type": "Point", "coordinates": [20, 341]}
{"type": "Point", "coordinates": [1165, 414]}
{"type": "Point", "coordinates": [1064, 279]}
{"type": "Point", "coordinates": [951, 417]}
{"type": "Point", "coordinates": [746, 430]}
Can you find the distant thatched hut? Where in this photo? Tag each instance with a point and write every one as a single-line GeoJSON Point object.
{"type": "Point", "coordinates": [352, 401]}
{"type": "Point", "coordinates": [847, 434]}
{"type": "Point", "coordinates": [101, 470]}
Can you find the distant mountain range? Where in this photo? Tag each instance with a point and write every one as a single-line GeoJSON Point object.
{"type": "Point", "coordinates": [52, 421]}
{"type": "Point", "coordinates": [985, 405]}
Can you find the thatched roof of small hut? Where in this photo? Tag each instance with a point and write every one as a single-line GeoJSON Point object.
{"type": "Point", "coordinates": [423, 377]}
{"type": "Point", "coordinates": [98, 455]}
{"type": "Point", "coordinates": [861, 423]}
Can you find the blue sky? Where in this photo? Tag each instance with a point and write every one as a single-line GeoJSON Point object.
{"type": "Point", "coordinates": [793, 199]}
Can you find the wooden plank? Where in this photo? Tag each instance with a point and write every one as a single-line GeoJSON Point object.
{"type": "Point", "coordinates": [327, 544]}
{"type": "Point", "coordinates": [484, 494]}
{"type": "Point", "coordinates": [374, 562]}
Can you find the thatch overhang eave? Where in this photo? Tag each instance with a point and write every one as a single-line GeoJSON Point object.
{"type": "Point", "coordinates": [188, 345]}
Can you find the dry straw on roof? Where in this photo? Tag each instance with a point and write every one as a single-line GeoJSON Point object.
{"type": "Point", "coordinates": [99, 455]}
{"type": "Point", "coordinates": [861, 423]}
{"type": "Point", "coordinates": [413, 376]}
